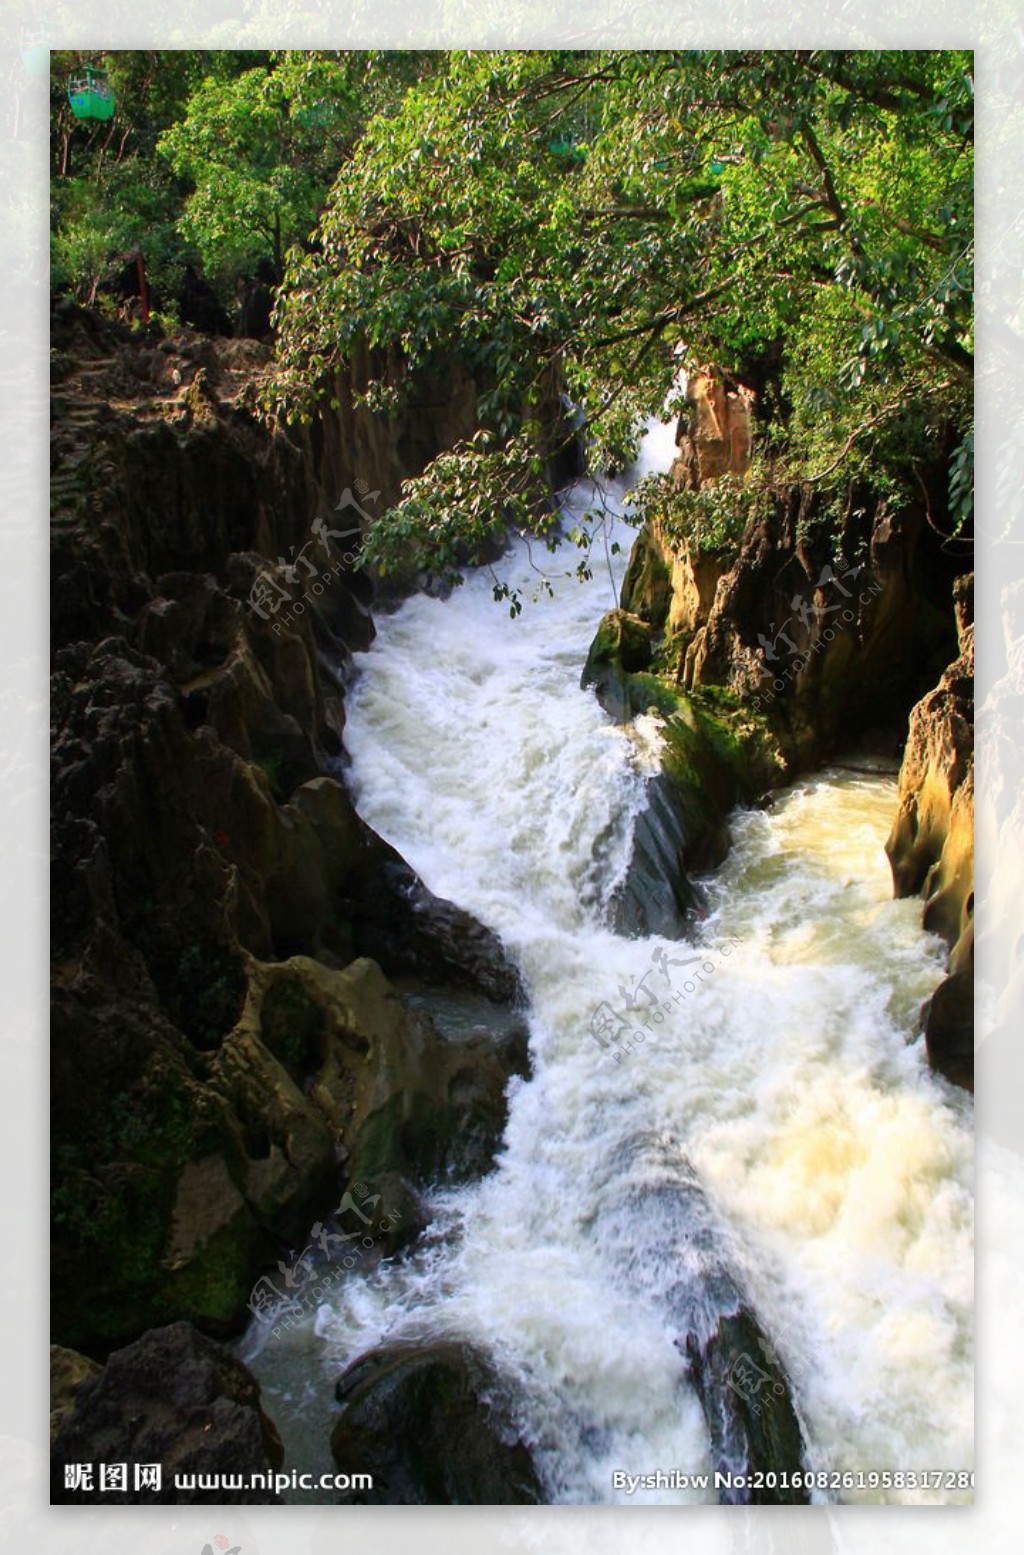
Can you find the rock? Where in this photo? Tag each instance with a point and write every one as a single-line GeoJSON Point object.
{"type": "Point", "coordinates": [713, 756]}
{"type": "Point", "coordinates": [210, 879]}
{"type": "Point", "coordinates": [187, 1149]}
{"type": "Point", "coordinates": [717, 436]}
{"type": "Point", "coordinates": [409, 930]}
{"type": "Point", "coordinates": [656, 896]}
{"type": "Point", "coordinates": [746, 1401]}
{"type": "Point", "coordinates": [176, 1399]}
{"type": "Point", "coordinates": [431, 1423]}
{"type": "Point", "coordinates": [621, 649]}
{"type": "Point", "coordinates": [823, 650]}
{"type": "Point", "coordinates": [654, 1214]}
{"type": "Point", "coordinates": [68, 1370]}
{"type": "Point", "coordinates": [931, 845]}
{"type": "Point", "coordinates": [949, 1029]}
{"type": "Point", "coordinates": [949, 1016]}
{"type": "Point", "coordinates": [425, 1108]}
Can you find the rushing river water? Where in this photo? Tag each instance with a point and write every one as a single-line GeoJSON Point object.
{"type": "Point", "coordinates": [808, 1149]}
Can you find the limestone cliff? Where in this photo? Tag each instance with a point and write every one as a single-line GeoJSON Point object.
{"type": "Point", "coordinates": [716, 435]}
{"type": "Point", "coordinates": [931, 846]}
{"type": "Point", "coordinates": [788, 634]}
{"type": "Point", "coordinates": [225, 1057]}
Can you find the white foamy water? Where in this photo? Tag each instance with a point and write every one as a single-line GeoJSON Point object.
{"type": "Point", "coordinates": [776, 1124]}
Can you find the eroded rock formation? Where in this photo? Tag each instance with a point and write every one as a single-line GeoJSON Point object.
{"type": "Point", "coordinates": [931, 845]}
{"type": "Point", "coordinates": [224, 1055]}
{"type": "Point", "coordinates": [767, 655]}
{"type": "Point", "coordinates": [716, 438]}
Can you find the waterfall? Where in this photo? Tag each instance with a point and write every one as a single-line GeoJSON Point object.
{"type": "Point", "coordinates": [773, 1137]}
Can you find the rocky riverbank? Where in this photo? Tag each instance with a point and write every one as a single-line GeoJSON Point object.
{"type": "Point", "coordinates": [230, 1049]}
{"type": "Point", "coordinates": [770, 651]}
{"type": "Point", "coordinates": [264, 1024]}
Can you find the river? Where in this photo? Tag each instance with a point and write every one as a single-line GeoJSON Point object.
{"type": "Point", "coordinates": [776, 1122]}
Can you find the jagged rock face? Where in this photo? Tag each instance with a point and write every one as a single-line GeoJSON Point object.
{"type": "Point", "coordinates": [211, 879]}
{"type": "Point", "coordinates": [176, 1399]}
{"type": "Point", "coordinates": [717, 437]}
{"type": "Point", "coordinates": [826, 653]}
{"type": "Point", "coordinates": [931, 845]}
{"type": "Point", "coordinates": [830, 638]}
{"type": "Point", "coordinates": [805, 639]}
{"type": "Point", "coordinates": [429, 1422]}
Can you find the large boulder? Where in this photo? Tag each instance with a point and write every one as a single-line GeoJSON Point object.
{"type": "Point", "coordinates": [949, 1016]}
{"type": "Point", "coordinates": [173, 1399]}
{"type": "Point", "coordinates": [432, 1423]}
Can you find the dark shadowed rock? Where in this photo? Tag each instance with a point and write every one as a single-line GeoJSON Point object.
{"type": "Point", "coordinates": [656, 896]}
{"type": "Point", "coordinates": [432, 1424]}
{"type": "Point", "coordinates": [949, 1016]}
{"type": "Point", "coordinates": [949, 1029]}
{"type": "Point", "coordinates": [409, 930]}
{"type": "Point", "coordinates": [177, 1399]}
{"type": "Point", "coordinates": [746, 1401]}
{"type": "Point", "coordinates": [211, 1056]}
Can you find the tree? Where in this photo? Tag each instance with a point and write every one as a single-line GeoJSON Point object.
{"type": "Point", "coordinates": [109, 194]}
{"type": "Point", "coordinates": [259, 150]}
{"type": "Point", "coordinates": [807, 209]}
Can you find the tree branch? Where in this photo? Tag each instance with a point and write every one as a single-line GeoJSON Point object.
{"type": "Point", "coordinates": [865, 426]}
{"type": "Point", "coordinates": [832, 199]}
{"type": "Point", "coordinates": [667, 316]}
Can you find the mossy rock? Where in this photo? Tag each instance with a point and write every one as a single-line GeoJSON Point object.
{"type": "Point", "coordinates": [622, 648]}
{"type": "Point", "coordinates": [647, 586]}
{"type": "Point", "coordinates": [716, 754]}
{"type": "Point", "coordinates": [292, 1026]}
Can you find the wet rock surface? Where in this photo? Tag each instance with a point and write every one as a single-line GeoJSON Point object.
{"type": "Point", "coordinates": [432, 1423]}
{"type": "Point", "coordinates": [931, 845]}
{"type": "Point", "coordinates": [749, 1412]}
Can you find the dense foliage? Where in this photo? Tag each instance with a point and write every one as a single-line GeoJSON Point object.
{"type": "Point", "coordinates": [219, 160]}
{"type": "Point", "coordinates": [804, 219]}
{"type": "Point", "coordinates": [568, 222]}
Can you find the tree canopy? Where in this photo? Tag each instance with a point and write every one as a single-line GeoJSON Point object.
{"type": "Point", "coordinates": [592, 212]}
{"type": "Point", "coordinates": [565, 222]}
{"type": "Point", "coordinates": [218, 159]}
